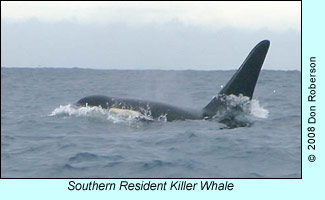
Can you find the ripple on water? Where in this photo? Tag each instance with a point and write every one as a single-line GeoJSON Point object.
{"type": "Point", "coordinates": [84, 156]}
{"type": "Point", "coordinates": [89, 157]}
{"type": "Point", "coordinates": [155, 164]}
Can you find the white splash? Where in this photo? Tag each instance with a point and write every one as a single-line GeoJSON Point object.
{"type": "Point", "coordinates": [257, 110]}
{"type": "Point", "coordinates": [114, 115]}
{"type": "Point", "coordinates": [250, 107]}
{"type": "Point", "coordinates": [72, 110]}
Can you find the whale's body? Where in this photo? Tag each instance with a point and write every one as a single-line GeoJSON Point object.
{"type": "Point", "coordinates": [152, 109]}
{"type": "Point", "coordinates": [242, 83]}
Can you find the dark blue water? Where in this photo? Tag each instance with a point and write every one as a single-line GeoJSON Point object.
{"type": "Point", "coordinates": [42, 135]}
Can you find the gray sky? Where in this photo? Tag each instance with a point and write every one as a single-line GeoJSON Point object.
{"type": "Point", "coordinates": [148, 35]}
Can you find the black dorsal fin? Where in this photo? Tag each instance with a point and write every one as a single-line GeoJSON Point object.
{"type": "Point", "coordinates": [244, 80]}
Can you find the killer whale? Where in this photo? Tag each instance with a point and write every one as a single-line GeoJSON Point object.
{"type": "Point", "coordinates": [242, 83]}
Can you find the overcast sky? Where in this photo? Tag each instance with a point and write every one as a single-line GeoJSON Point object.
{"type": "Point", "coordinates": [148, 35]}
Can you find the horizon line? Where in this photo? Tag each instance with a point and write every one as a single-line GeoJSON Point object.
{"type": "Point", "coordinates": [141, 69]}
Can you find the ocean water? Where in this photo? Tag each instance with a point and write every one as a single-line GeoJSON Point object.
{"type": "Point", "coordinates": [43, 135]}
